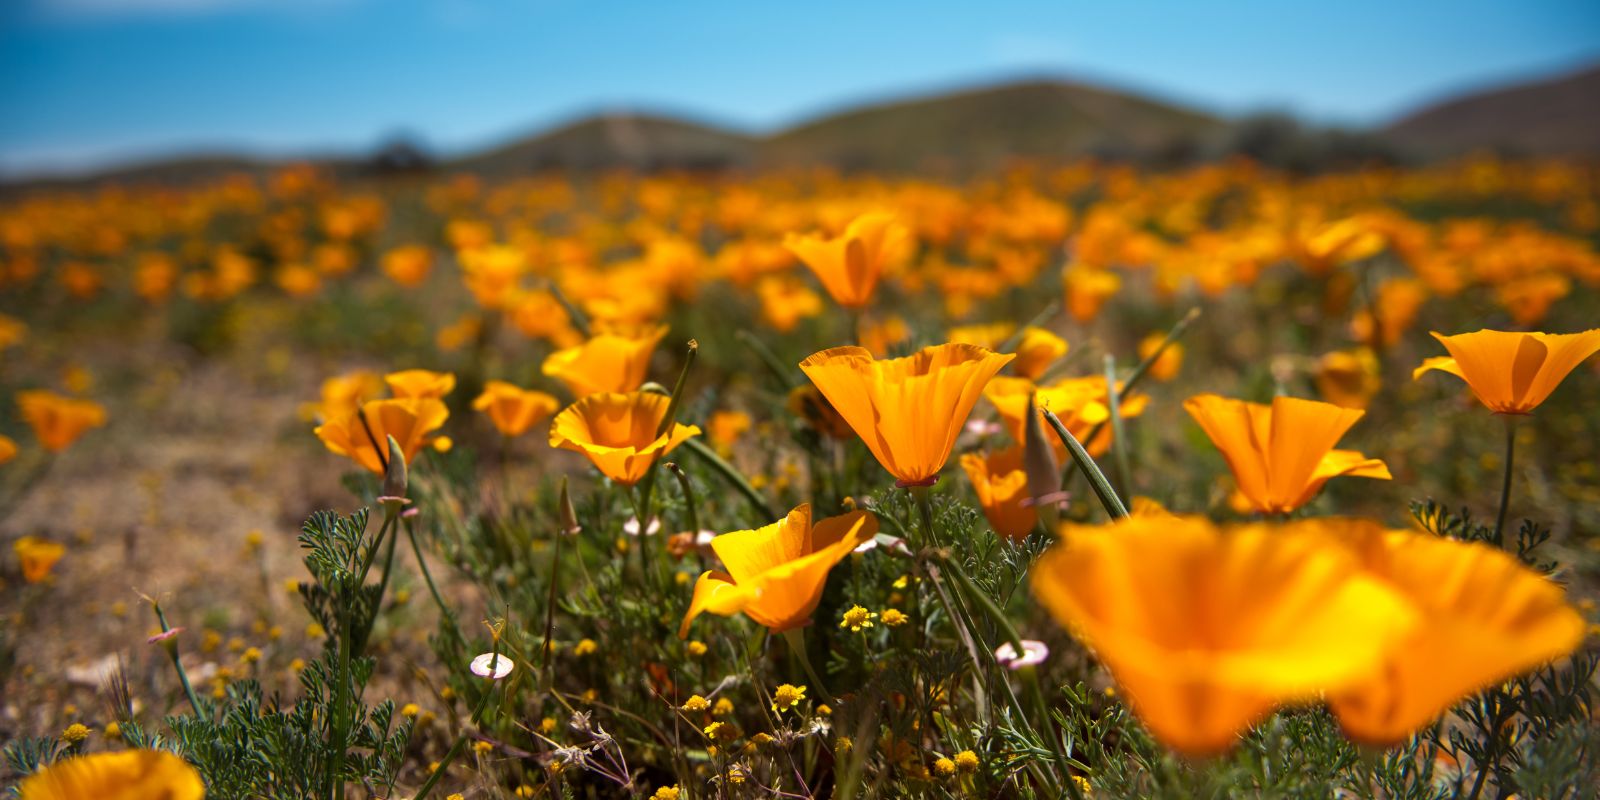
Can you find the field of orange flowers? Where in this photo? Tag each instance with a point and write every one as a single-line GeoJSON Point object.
{"type": "Point", "coordinates": [1070, 481]}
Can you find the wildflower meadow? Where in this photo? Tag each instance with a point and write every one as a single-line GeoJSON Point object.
{"type": "Point", "coordinates": [1064, 480]}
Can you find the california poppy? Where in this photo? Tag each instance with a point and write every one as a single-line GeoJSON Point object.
{"type": "Point", "coordinates": [1282, 454]}
{"type": "Point", "coordinates": [420, 383]}
{"type": "Point", "coordinates": [8, 448]}
{"type": "Point", "coordinates": [1484, 618]}
{"type": "Point", "coordinates": [125, 775]}
{"type": "Point", "coordinates": [1166, 366]}
{"type": "Point", "coordinates": [1348, 378]}
{"type": "Point", "coordinates": [408, 265]}
{"type": "Point", "coordinates": [849, 265]}
{"type": "Point", "coordinates": [342, 393]}
{"type": "Point", "coordinates": [1082, 404]}
{"type": "Point", "coordinates": [1209, 629]}
{"type": "Point", "coordinates": [607, 362]}
{"type": "Point", "coordinates": [513, 409]}
{"type": "Point", "coordinates": [1002, 485]}
{"type": "Point", "coordinates": [360, 434]}
{"type": "Point", "coordinates": [775, 574]}
{"type": "Point", "coordinates": [618, 432]}
{"type": "Point", "coordinates": [58, 420]}
{"type": "Point", "coordinates": [1512, 373]}
{"type": "Point", "coordinates": [907, 410]}
{"type": "Point", "coordinates": [1036, 351]}
{"type": "Point", "coordinates": [37, 556]}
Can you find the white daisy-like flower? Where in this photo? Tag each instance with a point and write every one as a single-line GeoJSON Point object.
{"type": "Point", "coordinates": [491, 666]}
{"type": "Point", "coordinates": [1033, 653]}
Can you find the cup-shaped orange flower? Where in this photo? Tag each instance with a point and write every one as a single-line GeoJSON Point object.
{"type": "Point", "coordinates": [359, 434]}
{"type": "Point", "coordinates": [1001, 484]}
{"type": "Point", "coordinates": [1036, 351]}
{"type": "Point", "coordinates": [775, 574]}
{"type": "Point", "coordinates": [342, 393]}
{"type": "Point", "coordinates": [1282, 454]}
{"type": "Point", "coordinates": [618, 432]}
{"type": "Point", "coordinates": [907, 410]}
{"type": "Point", "coordinates": [849, 265]}
{"type": "Point", "coordinates": [126, 775]}
{"type": "Point", "coordinates": [1484, 617]}
{"type": "Point", "coordinates": [1082, 404]}
{"type": "Point", "coordinates": [1512, 373]}
{"type": "Point", "coordinates": [58, 420]}
{"type": "Point", "coordinates": [37, 557]}
{"type": "Point", "coordinates": [613, 361]}
{"type": "Point", "coordinates": [1209, 629]}
{"type": "Point", "coordinates": [420, 383]}
{"type": "Point", "coordinates": [513, 409]}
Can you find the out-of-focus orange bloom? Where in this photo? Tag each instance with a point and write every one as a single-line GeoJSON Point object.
{"type": "Point", "coordinates": [1509, 372]}
{"type": "Point", "coordinates": [1081, 404]}
{"type": "Point", "coordinates": [420, 383]}
{"type": "Point", "coordinates": [849, 265]}
{"type": "Point", "coordinates": [908, 411]}
{"type": "Point", "coordinates": [989, 336]}
{"type": "Point", "coordinates": [608, 362]}
{"type": "Point", "coordinates": [618, 432]}
{"type": "Point", "coordinates": [776, 573]}
{"type": "Point", "coordinates": [1484, 618]}
{"type": "Point", "coordinates": [125, 775]}
{"type": "Point", "coordinates": [808, 403]}
{"type": "Point", "coordinates": [1166, 367]}
{"type": "Point", "coordinates": [1528, 299]}
{"type": "Point", "coordinates": [408, 265]}
{"type": "Point", "coordinates": [37, 557]}
{"type": "Point", "coordinates": [8, 448]}
{"type": "Point", "coordinates": [297, 280]}
{"type": "Point", "coordinates": [342, 394]}
{"type": "Point", "coordinates": [785, 301]}
{"type": "Point", "coordinates": [725, 428]}
{"type": "Point", "coordinates": [1036, 351]}
{"type": "Point", "coordinates": [1002, 486]}
{"type": "Point", "coordinates": [58, 420]}
{"type": "Point", "coordinates": [361, 434]}
{"type": "Point", "coordinates": [1348, 378]}
{"type": "Point", "coordinates": [541, 316]}
{"type": "Point", "coordinates": [1087, 289]}
{"type": "Point", "coordinates": [81, 280]}
{"type": "Point", "coordinates": [457, 334]}
{"type": "Point", "coordinates": [13, 331]}
{"type": "Point", "coordinates": [155, 276]}
{"type": "Point", "coordinates": [1398, 301]}
{"type": "Point", "coordinates": [513, 409]}
{"type": "Point", "coordinates": [493, 274]}
{"type": "Point", "coordinates": [880, 335]}
{"type": "Point", "coordinates": [1208, 630]}
{"type": "Point", "coordinates": [1282, 454]}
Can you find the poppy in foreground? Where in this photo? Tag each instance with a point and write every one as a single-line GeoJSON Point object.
{"type": "Point", "coordinates": [58, 420]}
{"type": "Point", "coordinates": [360, 433]}
{"type": "Point", "coordinates": [513, 409]}
{"type": "Point", "coordinates": [128, 775]}
{"type": "Point", "coordinates": [1209, 629]}
{"type": "Point", "coordinates": [849, 265]}
{"type": "Point", "coordinates": [1282, 454]}
{"type": "Point", "coordinates": [614, 361]}
{"type": "Point", "coordinates": [1484, 618]}
{"type": "Point", "coordinates": [907, 410]}
{"type": "Point", "coordinates": [1512, 373]}
{"type": "Point", "coordinates": [775, 574]}
{"type": "Point", "coordinates": [618, 432]}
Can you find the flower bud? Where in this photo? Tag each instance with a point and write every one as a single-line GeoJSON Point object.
{"type": "Point", "coordinates": [394, 475]}
{"type": "Point", "coordinates": [569, 515]}
{"type": "Point", "coordinates": [1039, 464]}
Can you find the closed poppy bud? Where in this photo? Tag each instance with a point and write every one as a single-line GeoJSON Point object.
{"type": "Point", "coordinates": [394, 474]}
{"type": "Point", "coordinates": [569, 515]}
{"type": "Point", "coordinates": [1039, 462]}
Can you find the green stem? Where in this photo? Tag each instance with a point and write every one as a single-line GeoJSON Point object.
{"type": "Point", "coordinates": [769, 358]}
{"type": "Point", "coordinates": [427, 577]}
{"type": "Point", "coordinates": [1505, 483]}
{"type": "Point", "coordinates": [341, 695]}
{"type": "Point", "coordinates": [1097, 479]}
{"type": "Point", "coordinates": [1119, 441]}
{"type": "Point", "coordinates": [925, 516]}
{"type": "Point", "coordinates": [1039, 319]}
{"type": "Point", "coordinates": [177, 663]}
{"type": "Point", "coordinates": [732, 476]}
{"type": "Point", "coordinates": [797, 646]}
{"type": "Point", "coordinates": [461, 740]}
{"type": "Point", "coordinates": [690, 512]}
{"type": "Point", "coordinates": [550, 609]}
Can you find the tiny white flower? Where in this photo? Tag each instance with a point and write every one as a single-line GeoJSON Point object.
{"type": "Point", "coordinates": [1033, 652]}
{"type": "Point", "coordinates": [983, 427]}
{"type": "Point", "coordinates": [631, 527]}
{"type": "Point", "coordinates": [489, 665]}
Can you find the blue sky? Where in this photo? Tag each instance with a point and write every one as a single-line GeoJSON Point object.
{"type": "Point", "coordinates": [88, 82]}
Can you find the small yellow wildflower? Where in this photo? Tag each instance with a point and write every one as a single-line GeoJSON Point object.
{"type": "Point", "coordinates": [695, 703]}
{"type": "Point", "coordinates": [967, 761]}
{"type": "Point", "coordinates": [210, 641]}
{"type": "Point", "coordinates": [76, 732]}
{"type": "Point", "coordinates": [944, 766]}
{"type": "Point", "coordinates": [524, 790]}
{"type": "Point", "coordinates": [433, 766]}
{"type": "Point", "coordinates": [315, 631]}
{"type": "Point", "coordinates": [842, 745]}
{"type": "Point", "coordinates": [696, 648]}
{"type": "Point", "coordinates": [292, 585]}
{"type": "Point", "coordinates": [250, 656]}
{"type": "Point", "coordinates": [824, 710]}
{"type": "Point", "coordinates": [723, 708]}
{"type": "Point", "coordinates": [590, 695]}
{"type": "Point", "coordinates": [736, 774]}
{"type": "Point", "coordinates": [410, 710]}
{"type": "Point", "coordinates": [585, 647]}
{"type": "Point", "coordinates": [482, 746]}
{"type": "Point", "coordinates": [902, 582]}
{"type": "Point", "coordinates": [1083, 784]}
{"type": "Point", "coordinates": [894, 617]}
{"type": "Point", "coordinates": [761, 738]}
{"type": "Point", "coordinates": [113, 730]}
{"type": "Point", "coordinates": [456, 796]}
{"type": "Point", "coordinates": [253, 540]}
{"type": "Point", "coordinates": [447, 693]}
{"type": "Point", "coordinates": [297, 665]}
{"type": "Point", "coordinates": [119, 609]}
{"type": "Point", "coordinates": [547, 725]}
{"type": "Point", "coordinates": [275, 633]}
{"type": "Point", "coordinates": [787, 696]}
{"type": "Point", "coordinates": [666, 793]}
{"type": "Point", "coordinates": [235, 645]}
{"type": "Point", "coordinates": [857, 618]}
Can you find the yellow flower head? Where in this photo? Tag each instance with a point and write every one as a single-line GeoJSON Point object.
{"type": "Point", "coordinates": [857, 618]}
{"type": "Point", "coordinates": [787, 696]}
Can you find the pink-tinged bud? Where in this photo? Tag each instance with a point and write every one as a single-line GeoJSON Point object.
{"type": "Point", "coordinates": [1039, 464]}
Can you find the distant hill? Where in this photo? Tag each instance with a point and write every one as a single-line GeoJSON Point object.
{"type": "Point", "coordinates": [986, 127]}
{"type": "Point", "coordinates": [1552, 117]}
{"type": "Point", "coordinates": [640, 141]}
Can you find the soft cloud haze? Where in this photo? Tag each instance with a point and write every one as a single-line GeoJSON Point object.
{"type": "Point", "coordinates": [85, 82]}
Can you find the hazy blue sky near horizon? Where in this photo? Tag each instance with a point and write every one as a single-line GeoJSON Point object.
{"type": "Point", "coordinates": [89, 82]}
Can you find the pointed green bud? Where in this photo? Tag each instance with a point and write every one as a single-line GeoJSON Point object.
{"type": "Point", "coordinates": [569, 515]}
{"type": "Point", "coordinates": [1039, 464]}
{"type": "Point", "coordinates": [394, 477]}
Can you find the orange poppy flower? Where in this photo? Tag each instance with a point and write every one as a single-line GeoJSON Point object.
{"type": "Point", "coordinates": [342, 393]}
{"type": "Point", "coordinates": [725, 429]}
{"type": "Point", "coordinates": [409, 420]}
{"type": "Point", "coordinates": [513, 409]}
{"type": "Point", "coordinates": [1166, 367]}
{"type": "Point", "coordinates": [1001, 485]}
{"type": "Point", "coordinates": [908, 410]}
{"type": "Point", "coordinates": [1348, 378]}
{"type": "Point", "coordinates": [1512, 373]}
{"type": "Point", "coordinates": [618, 432]}
{"type": "Point", "coordinates": [608, 362]}
{"type": "Point", "coordinates": [1484, 618]}
{"type": "Point", "coordinates": [1209, 629]}
{"type": "Point", "coordinates": [1080, 403]}
{"type": "Point", "coordinates": [37, 556]}
{"type": "Point", "coordinates": [58, 420]}
{"type": "Point", "coordinates": [420, 383]}
{"type": "Point", "coordinates": [776, 573]}
{"type": "Point", "coordinates": [408, 265]}
{"type": "Point", "coordinates": [1282, 454]}
{"type": "Point", "coordinates": [125, 775]}
{"type": "Point", "coordinates": [849, 265]}
{"type": "Point", "coordinates": [8, 448]}
{"type": "Point", "coordinates": [1036, 351]}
